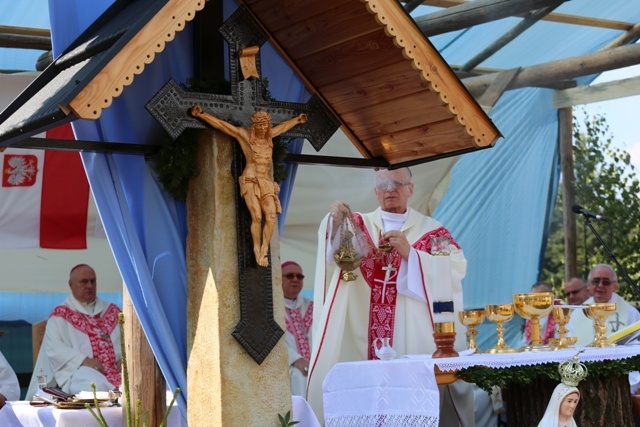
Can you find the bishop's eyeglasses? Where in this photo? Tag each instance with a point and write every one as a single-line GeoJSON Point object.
{"type": "Point", "coordinates": [390, 185]}
{"type": "Point", "coordinates": [605, 282]}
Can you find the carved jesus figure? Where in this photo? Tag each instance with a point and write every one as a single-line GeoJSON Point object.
{"type": "Point", "coordinates": [257, 187]}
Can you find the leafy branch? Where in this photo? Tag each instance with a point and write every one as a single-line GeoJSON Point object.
{"type": "Point", "coordinates": [486, 378]}
{"type": "Point", "coordinates": [129, 422]}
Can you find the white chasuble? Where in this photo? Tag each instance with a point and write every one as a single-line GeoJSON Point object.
{"type": "Point", "coordinates": [379, 303]}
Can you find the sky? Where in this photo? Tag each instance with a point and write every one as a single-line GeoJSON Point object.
{"type": "Point", "coordinates": [621, 114]}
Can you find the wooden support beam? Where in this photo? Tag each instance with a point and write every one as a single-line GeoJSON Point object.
{"type": "Point", "coordinates": [542, 75]}
{"type": "Point", "coordinates": [631, 34]}
{"type": "Point", "coordinates": [507, 37]}
{"type": "Point", "coordinates": [82, 145]}
{"type": "Point", "coordinates": [553, 17]}
{"type": "Point", "coordinates": [146, 381]}
{"type": "Point", "coordinates": [27, 31]}
{"type": "Point", "coordinates": [410, 5]}
{"type": "Point", "coordinates": [20, 41]}
{"type": "Point", "coordinates": [565, 140]}
{"type": "Point", "coordinates": [489, 98]}
{"type": "Point", "coordinates": [597, 93]}
{"type": "Point", "coordinates": [476, 12]}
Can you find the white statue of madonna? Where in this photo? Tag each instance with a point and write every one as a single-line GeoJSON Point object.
{"type": "Point", "coordinates": [566, 395]}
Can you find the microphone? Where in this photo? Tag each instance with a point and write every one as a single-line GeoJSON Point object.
{"type": "Point", "coordinates": [580, 210]}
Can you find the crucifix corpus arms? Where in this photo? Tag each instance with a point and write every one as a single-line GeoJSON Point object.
{"type": "Point", "coordinates": [257, 187]}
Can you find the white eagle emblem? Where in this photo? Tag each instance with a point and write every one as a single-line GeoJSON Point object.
{"type": "Point", "coordinates": [20, 170]}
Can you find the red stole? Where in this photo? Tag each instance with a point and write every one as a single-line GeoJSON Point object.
{"type": "Point", "coordinates": [549, 330]}
{"type": "Point", "coordinates": [299, 327]}
{"type": "Point", "coordinates": [382, 281]}
{"type": "Point", "coordinates": [99, 330]}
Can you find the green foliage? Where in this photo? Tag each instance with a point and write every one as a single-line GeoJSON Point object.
{"type": "Point", "coordinates": [486, 378]}
{"type": "Point", "coordinates": [286, 420]}
{"type": "Point", "coordinates": [175, 162]}
{"type": "Point", "coordinates": [605, 180]}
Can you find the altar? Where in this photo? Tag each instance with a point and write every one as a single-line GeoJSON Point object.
{"type": "Point", "coordinates": [22, 414]}
{"type": "Point", "coordinates": [380, 392]}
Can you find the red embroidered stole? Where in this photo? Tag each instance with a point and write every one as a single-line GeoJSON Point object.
{"type": "Point", "coordinates": [374, 268]}
{"type": "Point", "coordinates": [99, 330]}
{"type": "Point", "coordinates": [299, 327]}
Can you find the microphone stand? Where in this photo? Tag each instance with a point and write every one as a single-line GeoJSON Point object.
{"type": "Point", "coordinates": [587, 221]}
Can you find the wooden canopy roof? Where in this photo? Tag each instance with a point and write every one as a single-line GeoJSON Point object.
{"type": "Point", "coordinates": [394, 95]}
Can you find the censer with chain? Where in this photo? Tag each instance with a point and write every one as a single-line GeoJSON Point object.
{"type": "Point", "coordinates": [348, 257]}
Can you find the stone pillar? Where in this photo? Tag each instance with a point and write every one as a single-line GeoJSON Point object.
{"type": "Point", "coordinates": [226, 387]}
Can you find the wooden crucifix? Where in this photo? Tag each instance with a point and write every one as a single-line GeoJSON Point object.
{"type": "Point", "coordinates": [257, 187]}
{"type": "Point", "coordinates": [239, 114]}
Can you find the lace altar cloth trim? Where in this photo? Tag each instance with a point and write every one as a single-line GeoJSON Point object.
{"type": "Point", "coordinates": [506, 360]}
{"type": "Point", "coordinates": [383, 420]}
{"type": "Point", "coordinates": [402, 391]}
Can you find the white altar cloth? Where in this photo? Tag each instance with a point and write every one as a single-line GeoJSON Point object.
{"type": "Point", "coordinates": [404, 391]}
{"type": "Point", "coordinates": [381, 393]}
{"type": "Point", "coordinates": [506, 360]}
{"type": "Point", "coordinates": [21, 414]}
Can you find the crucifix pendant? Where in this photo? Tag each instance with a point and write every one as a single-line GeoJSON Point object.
{"type": "Point", "coordinates": [389, 269]}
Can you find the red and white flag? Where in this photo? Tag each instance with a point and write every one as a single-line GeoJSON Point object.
{"type": "Point", "coordinates": [44, 197]}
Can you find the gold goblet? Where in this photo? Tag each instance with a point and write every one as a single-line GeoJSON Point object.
{"type": "Point", "coordinates": [598, 312]}
{"type": "Point", "coordinates": [534, 306]}
{"type": "Point", "coordinates": [471, 319]}
{"type": "Point", "coordinates": [500, 313]}
{"type": "Point", "coordinates": [561, 315]}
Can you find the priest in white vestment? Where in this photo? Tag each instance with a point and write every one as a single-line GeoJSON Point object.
{"type": "Point", "coordinates": [299, 316]}
{"type": "Point", "coordinates": [603, 284]}
{"type": "Point", "coordinates": [392, 295]}
{"type": "Point", "coordinates": [9, 386]}
{"type": "Point", "coordinates": [82, 343]}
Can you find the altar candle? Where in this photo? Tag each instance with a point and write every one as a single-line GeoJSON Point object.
{"type": "Point", "coordinates": [442, 290]}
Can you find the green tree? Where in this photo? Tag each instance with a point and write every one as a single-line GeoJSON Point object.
{"type": "Point", "coordinates": [606, 182]}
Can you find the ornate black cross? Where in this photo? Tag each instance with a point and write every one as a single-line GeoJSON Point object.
{"type": "Point", "coordinates": [257, 331]}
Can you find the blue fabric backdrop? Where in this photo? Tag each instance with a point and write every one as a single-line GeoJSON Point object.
{"type": "Point", "coordinates": [146, 228]}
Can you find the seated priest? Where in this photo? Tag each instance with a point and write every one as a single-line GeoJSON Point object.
{"type": "Point", "coordinates": [576, 291]}
{"type": "Point", "coordinates": [299, 315]}
{"type": "Point", "coordinates": [603, 284]}
{"type": "Point", "coordinates": [9, 386]}
{"type": "Point", "coordinates": [81, 343]}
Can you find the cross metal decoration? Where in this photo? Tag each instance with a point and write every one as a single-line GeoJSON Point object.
{"type": "Point", "coordinates": [257, 330]}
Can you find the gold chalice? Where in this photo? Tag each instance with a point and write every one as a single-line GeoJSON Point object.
{"type": "Point", "coordinates": [500, 313]}
{"type": "Point", "coordinates": [561, 315]}
{"type": "Point", "coordinates": [471, 319]}
{"type": "Point", "coordinates": [534, 306]}
{"type": "Point", "coordinates": [598, 312]}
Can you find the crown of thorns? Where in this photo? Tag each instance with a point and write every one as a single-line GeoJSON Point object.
{"type": "Point", "coordinates": [261, 116]}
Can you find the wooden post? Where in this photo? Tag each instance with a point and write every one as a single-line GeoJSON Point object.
{"type": "Point", "coordinates": [146, 382]}
{"type": "Point", "coordinates": [226, 387]}
{"type": "Point", "coordinates": [565, 137]}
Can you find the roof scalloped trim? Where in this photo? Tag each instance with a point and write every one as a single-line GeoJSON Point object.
{"type": "Point", "coordinates": [433, 69]}
{"type": "Point", "coordinates": [131, 60]}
